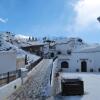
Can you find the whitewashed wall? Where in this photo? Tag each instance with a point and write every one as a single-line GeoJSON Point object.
{"type": "Point", "coordinates": [92, 59]}
{"type": "Point", "coordinates": [62, 48]}
{"type": "Point", "coordinates": [7, 61]}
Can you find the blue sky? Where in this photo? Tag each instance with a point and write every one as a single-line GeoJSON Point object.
{"type": "Point", "coordinates": [69, 18]}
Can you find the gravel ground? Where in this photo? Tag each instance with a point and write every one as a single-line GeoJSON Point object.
{"type": "Point", "coordinates": [36, 88]}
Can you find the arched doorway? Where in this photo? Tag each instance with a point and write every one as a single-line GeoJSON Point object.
{"type": "Point", "coordinates": [64, 64]}
{"type": "Point", "coordinates": [83, 66]}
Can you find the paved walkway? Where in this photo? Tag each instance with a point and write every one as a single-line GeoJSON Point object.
{"type": "Point", "coordinates": [37, 82]}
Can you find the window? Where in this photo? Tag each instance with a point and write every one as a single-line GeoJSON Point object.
{"type": "Point", "coordinates": [99, 69]}
{"type": "Point", "coordinates": [69, 52]}
{"type": "Point", "coordinates": [79, 40]}
{"type": "Point", "coordinates": [64, 64]}
{"type": "Point", "coordinates": [52, 54]}
{"type": "Point", "coordinates": [59, 52]}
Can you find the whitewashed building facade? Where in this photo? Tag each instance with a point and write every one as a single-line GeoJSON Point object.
{"type": "Point", "coordinates": [76, 56]}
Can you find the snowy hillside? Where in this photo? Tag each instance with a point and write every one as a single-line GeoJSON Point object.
{"type": "Point", "coordinates": [8, 42]}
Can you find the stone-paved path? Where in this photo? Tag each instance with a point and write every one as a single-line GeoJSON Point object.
{"type": "Point", "coordinates": [37, 82]}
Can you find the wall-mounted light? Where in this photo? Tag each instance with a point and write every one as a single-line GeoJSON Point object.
{"type": "Point", "coordinates": [98, 18]}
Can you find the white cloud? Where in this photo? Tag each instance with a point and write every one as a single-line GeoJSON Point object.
{"type": "Point", "coordinates": [20, 36]}
{"type": "Point", "coordinates": [3, 20]}
{"type": "Point", "coordinates": [87, 12]}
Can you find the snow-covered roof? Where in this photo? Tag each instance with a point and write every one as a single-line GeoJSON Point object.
{"type": "Point", "coordinates": [72, 43]}
{"type": "Point", "coordinates": [31, 57]}
{"type": "Point", "coordinates": [34, 43]}
{"type": "Point", "coordinates": [93, 48]}
{"type": "Point", "coordinates": [66, 40]}
{"type": "Point", "coordinates": [37, 43]}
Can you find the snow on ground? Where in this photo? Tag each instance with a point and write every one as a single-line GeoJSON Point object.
{"type": "Point", "coordinates": [37, 85]}
{"type": "Point", "coordinates": [91, 86]}
{"type": "Point", "coordinates": [31, 57]}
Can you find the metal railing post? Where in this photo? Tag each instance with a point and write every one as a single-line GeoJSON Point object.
{"type": "Point", "coordinates": [8, 77]}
